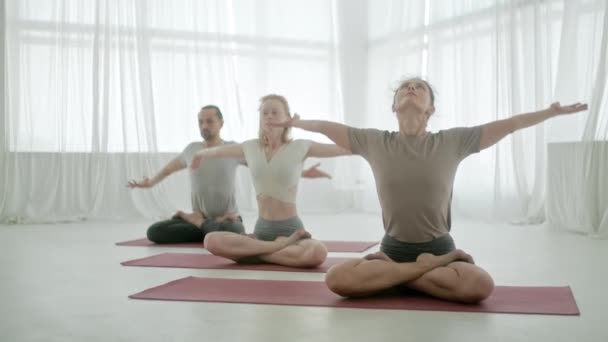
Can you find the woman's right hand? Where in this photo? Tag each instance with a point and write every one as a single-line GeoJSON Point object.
{"type": "Point", "coordinates": [197, 160]}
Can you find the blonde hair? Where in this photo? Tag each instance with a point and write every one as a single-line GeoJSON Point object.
{"type": "Point", "coordinates": [286, 136]}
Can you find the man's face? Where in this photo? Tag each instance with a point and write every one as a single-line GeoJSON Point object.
{"type": "Point", "coordinates": [209, 124]}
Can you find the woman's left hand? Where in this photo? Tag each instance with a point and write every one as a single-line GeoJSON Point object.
{"type": "Point", "coordinates": [557, 109]}
{"type": "Point", "coordinates": [288, 123]}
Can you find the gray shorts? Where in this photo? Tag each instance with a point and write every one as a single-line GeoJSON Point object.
{"type": "Point", "coordinates": [408, 252]}
{"type": "Point", "coordinates": [269, 230]}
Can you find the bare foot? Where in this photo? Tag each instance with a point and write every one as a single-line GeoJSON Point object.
{"type": "Point", "coordinates": [461, 255]}
{"type": "Point", "coordinates": [431, 260]}
{"type": "Point", "coordinates": [196, 218]}
{"type": "Point", "coordinates": [378, 256]}
{"type": "Point", "coordinates": [297, 236]}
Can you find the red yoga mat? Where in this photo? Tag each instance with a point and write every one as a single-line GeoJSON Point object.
{"type": "Point", "coordinates": [332, 246]}
{"type": "Point", "coordinates": [505, 299]}
{"type": "Point", "coordinates": [209, 261]}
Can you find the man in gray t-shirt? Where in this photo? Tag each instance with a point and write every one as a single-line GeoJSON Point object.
{"type": "Point", "coordinates": [212, 195]}
{"type": "Point", "coordinates": [213, 189]}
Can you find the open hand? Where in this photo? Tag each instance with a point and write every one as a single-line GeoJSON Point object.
{"type": "Point", "coordinates": [287, 123]}
{"type": "Point", "coordinates": [557, 109]}
{"type": "Point", "coordinates": [144, 183]}
{"type": "Point", "coordinates": [315, 172]}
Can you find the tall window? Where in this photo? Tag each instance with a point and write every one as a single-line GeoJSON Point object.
{"type": "Point", "coordinates": [130, 75]}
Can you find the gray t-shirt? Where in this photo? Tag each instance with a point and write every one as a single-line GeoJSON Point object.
{"type": "Point", "coordinates": [213, 189]}
{"type": "Point", "coordinates": [415, 176]}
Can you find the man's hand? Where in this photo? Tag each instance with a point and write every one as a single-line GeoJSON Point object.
{"type": "Point", "coordinates": [315, 172]}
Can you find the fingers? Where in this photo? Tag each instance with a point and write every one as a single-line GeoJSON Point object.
{"type": "Point", "coordinates": [572, 108]}
{"type": "Point", "coordinates": [133, 184]}
{"type": "Point", "coordinates": [577, 107]}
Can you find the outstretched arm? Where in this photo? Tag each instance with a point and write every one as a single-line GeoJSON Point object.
{"type": "Point", "coordinates": [318, 150]}
{"type": "Point", "coordinates": [337, 132]}
{"type": "Point", "coordinates": [173, 166]}
{"type": "Point", "coordinates": [493, 132]}
{"type": "Point", "coordinates": [234, 151]}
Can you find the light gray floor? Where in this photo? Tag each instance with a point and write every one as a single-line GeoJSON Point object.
{"type": "Point", "coordinates": [64, 282]}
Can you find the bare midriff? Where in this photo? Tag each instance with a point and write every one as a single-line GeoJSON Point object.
{"type": "Point", "coordinates": [274, 210]}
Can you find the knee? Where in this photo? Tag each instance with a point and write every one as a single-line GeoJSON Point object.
{"type": "Point", "coordinates": [317, 254]}
{"type": "Point", "coordinates": [336, 280]}
{"type": "Point", "coordinates": [233, 227]}
{"type": "Point", "coordinates": [478, 289]}
{"type": "Point", "coordinates": [155, 233]}
{"type": "Point", "coordinates": [212, 242]}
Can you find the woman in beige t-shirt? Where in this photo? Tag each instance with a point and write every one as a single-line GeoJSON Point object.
{"type": "Point", "coordinates": [414, 172]}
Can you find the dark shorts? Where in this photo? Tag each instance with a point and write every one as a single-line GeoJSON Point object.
{"type": "Point", "coordinates": [408, 252]}
{"type": "Point", "coordinates": [267, 230]}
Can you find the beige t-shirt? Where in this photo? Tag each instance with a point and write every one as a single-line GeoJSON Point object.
{"type": "Point", "coordinates": [278, 177]}
{"type": "Point", "coordinates": [415, 176]}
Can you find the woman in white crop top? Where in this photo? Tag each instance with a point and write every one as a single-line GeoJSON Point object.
{"type": "Point", "coordinates": [275, 162]}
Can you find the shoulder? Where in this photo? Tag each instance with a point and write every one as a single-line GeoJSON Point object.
{"type": "Point", "coordinates": [301, 142]}
{"type": "Point", "coordinates": [194, 146]}
{"type": "Point", "coordinates": [249, 146]}
{"type": "Point", "coordinates": [458, 132]}
{"type": "Point", "coordinates": [301, 145]}
{"type": "Point", "coordinates": [251, 142]}
{"type": "Point", "coordinates": [369, 133]}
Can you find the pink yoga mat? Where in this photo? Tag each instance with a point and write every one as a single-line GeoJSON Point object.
{"type": "Point", "coordinates": [332, 246]}
{"type": "Point", "coordinates": [505, 299]}
{"type": "Point", "coordinates": [209, 261]}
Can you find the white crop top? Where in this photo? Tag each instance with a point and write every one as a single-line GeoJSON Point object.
{"type": "Point", "coordinates": [279, 177]}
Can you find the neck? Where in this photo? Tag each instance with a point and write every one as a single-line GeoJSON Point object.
{"type": "Point", "coordinates": [273, 139]}
{"type": "Point", "coordinates": [411, 124]}
{"type": "Point", "coordinates": [214, 141]}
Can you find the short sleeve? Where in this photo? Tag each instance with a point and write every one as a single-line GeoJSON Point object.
{"type": "Point", "coordinates": [302, 148]}
{"type": "Point", "coordinates": [362, 140]}
{"type": "Point", "coordinates": [250, 149]}
{"type": "Point", "coordinates": [186, 156]}
{"type": "Point", "coordinates": [466, 140]}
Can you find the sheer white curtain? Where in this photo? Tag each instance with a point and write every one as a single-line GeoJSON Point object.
{"type": "Point", "coordinates": [102, 91]}
{"type": "Point", "coordinates": [489, 60]}
{"type": "Point", "coordinates": [577, 197]}
{"type": "Point", "coordinates": [396, 47]}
